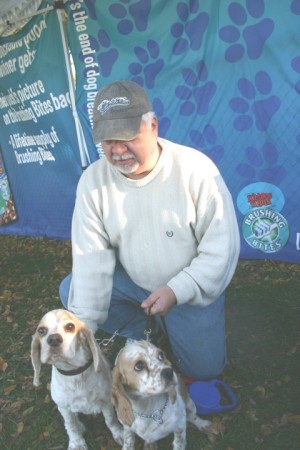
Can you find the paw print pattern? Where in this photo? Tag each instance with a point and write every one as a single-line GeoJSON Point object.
{"type": "Point", "coordinates": [253, 36]}
{"type": "Point", "coordinates": [262, 165]}
{"type": "Point", "coordinates": [145, 71]}
{"type": "Point", "coordinates": [131, 15]}
{"type": "Point", "coordinates": [295, 7]}
{"type": "Point", "coordinates": [90, 4]}
{"type": "Point", "coordinates": [249, 106]}
{"type": "Point", "coordinates": [106, 55]}
{"type": "Point", "coordinates": [207, 141]}
{"type": "Point", "coordinates": [164, 122]}
{"type": "Point", "coordinates": [184, 31]}
{"type": "Point", "coordinates": [296, 67]}
{"type": "Point", "coordinates": [195, 98]}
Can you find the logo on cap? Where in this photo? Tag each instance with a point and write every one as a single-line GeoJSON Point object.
{"type": "Point", "coordinates": [105, 105]}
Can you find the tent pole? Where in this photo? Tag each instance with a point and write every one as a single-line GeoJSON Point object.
{"type": "Point", "coordinates": [84, 155]}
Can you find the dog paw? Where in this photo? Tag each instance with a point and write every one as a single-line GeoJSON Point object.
{"type": "Point", "coordinates": [118, 438]}
{"type": "Point", "coordinates": [77, 445]}
{"type": "Point", "coordinates": [214, 429]}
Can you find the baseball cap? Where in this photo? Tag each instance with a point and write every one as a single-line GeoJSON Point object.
{"type": "Point", "coordinates": [118, 111]}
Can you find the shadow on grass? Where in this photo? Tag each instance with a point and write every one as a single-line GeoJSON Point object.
{"type": "Point", "coordinates": [262, 316]}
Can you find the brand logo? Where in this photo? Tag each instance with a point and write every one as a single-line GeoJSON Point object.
{"type": "Point", "coordinates": [105, 105]}
{"type": "Point", "coordinates": [265, 229]}
{"type": "Point", "coordinates": [257, 200]}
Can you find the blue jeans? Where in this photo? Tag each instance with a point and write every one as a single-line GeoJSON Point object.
{"type": "Point", "coordinates": [196, 334]}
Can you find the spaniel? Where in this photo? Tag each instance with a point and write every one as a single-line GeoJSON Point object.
{"type": "Point", "coordinates": [150, 399]}
{"type": "Point", "coordinates": [81, 376]}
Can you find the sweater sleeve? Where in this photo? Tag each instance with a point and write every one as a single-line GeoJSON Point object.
{"type": "Point", "coordinates": [211, 270]}
{"type": "Point", "coordinates": [93, 260]}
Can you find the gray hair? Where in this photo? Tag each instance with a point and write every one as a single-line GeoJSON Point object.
{"type": "Point", "coordinates": [147, 117]}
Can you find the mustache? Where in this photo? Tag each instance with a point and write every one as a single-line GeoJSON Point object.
{"type": "Point", "coordinates": [123, 157]}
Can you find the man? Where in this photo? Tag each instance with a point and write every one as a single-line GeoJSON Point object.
{"type": "Point", "coordinates": [154, 233]}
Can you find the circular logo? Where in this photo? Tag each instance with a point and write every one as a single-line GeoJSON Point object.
{"type": "Point", "coordinates": [265, 229]}
{"type": "Point", "coordinates": [260, 194]}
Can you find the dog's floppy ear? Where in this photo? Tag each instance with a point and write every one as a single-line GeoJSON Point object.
{"type": "Point", "coordinates": [94, 347]}
{"type": "Point", "coordinates": [120, 398]}
{"type": "Point", "coordinates": [173, 391]}
{"type": "Point", "coordinates": [36, 359]}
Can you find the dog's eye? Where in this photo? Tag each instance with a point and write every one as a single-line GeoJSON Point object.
{"type": "Point", "coordinates": [42, 331]}
{"type": "Point", "coordinates": [70, 327]}
{"type": "Point", "coordinates": [161, 356]}
{"type": "Point", "coordinates": [139, 366]}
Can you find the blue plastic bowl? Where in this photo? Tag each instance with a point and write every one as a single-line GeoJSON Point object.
{"type": "Point", "coordinates": [211, 397]}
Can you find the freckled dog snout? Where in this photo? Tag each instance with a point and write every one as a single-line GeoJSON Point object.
{"type": "Point", "coordinates": [167, 374]}
{"type": "Point", "coordinates": [54, 340]}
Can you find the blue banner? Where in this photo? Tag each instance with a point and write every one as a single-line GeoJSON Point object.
{"type": "Point", "coordinates": [38, 136]}
{"type": "Point", "coordinates": [223, 77]}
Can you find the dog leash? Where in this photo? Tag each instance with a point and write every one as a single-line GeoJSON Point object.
{"type": "Point", "coordinates": [107, 341]}
{"type": "Point", "coordinates": [149, 333]}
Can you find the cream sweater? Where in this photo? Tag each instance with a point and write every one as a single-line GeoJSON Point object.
{"type": "Point", "coordinates": [175, 227]}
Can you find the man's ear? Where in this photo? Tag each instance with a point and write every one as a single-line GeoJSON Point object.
{"type": "Point", "coordinates": [154, 124]}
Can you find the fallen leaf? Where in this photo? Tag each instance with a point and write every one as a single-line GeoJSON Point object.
{"type": "Point", "coordinates": [28, 411]}
{"type": "Point", "coordinates": [3, 365]}
{"type": "Point", "coordinates": [294, 420]}
{"type": "Point", "coordinates": [266, 429]}
{"type": "Point", "coordinates": [20, 427]}
{"type": "Point", "coordinates": [260, 390]}
{"type": "Point", "coordinates": [252, 415]}
{"type": "Point", "coordinates": [9, 389]}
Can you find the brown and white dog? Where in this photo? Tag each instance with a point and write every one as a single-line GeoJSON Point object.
{"type": "Point", "coordinates": [150, 399]}
{"type": "Point", "coordinates": [81, 377]}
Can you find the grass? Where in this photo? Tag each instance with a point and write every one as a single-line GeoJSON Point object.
{"type": "Point", "coordinates": [262, 315]}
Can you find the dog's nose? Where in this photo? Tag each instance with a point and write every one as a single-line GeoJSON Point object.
{"type": "Point", "coordinates": [167, 374]}
{"type": "Point", "coordinates": [54, 340]}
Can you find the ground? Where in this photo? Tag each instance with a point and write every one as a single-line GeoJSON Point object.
{"type": "Point", "coordinates": [263, 337]}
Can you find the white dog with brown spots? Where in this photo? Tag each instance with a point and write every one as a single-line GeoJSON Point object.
{"type": "Point", "coordinates": [81, 376]}
{"type": "Point", "coordinates": [150, 399]}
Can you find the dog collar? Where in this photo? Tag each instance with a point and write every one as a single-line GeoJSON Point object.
{"type": "Point", "coordinates": [77, 371]}
{"type": "Point", "coordinates": [157, 415]}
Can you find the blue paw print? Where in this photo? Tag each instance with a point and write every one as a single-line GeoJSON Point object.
{"type": "Point", "coordinates": [105, 54]}
{"type": "Point", "coordinates": [207, 141]}
{"type": "Point", "coordinates": [131, 15]}
{"type": "Point", "coordinates": [295, 7]}
{"type": "Point", "coordinates": [90, 4]}
{"type": "Point", "coordinates": [296, 67]}
{"type": "Point", "coordinates": [195, 98]}
{"type": "Point", "coordinates": [163, 121]}
{"type": "Point", "coordinates": [254, 36]}
{"type": "Point", "coordinates": [262, 165]}
{"type": "Point", "coordinates": [184, 31]}
{"type": "Point", "coordinates": [149, 65]}
{"type": "Point", "coordinates": [248, 105]}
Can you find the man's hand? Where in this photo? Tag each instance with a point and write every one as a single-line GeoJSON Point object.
{"type": "Point", "coordinates": [160, 301]}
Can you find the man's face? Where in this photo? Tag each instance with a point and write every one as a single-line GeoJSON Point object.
{"type": "Point", "coordinates": [135, 158]}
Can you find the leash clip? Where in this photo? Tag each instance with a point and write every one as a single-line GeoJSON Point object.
{"type": "Point", "coordinates": [148, 330]}
{"type": "Point", "coordinates": [147, 333]}
{"type": "Point", "coordinates": [106, 342]}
